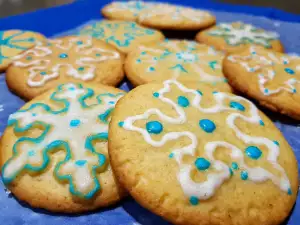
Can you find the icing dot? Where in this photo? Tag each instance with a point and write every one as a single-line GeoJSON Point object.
{"type": "Point", "coordinates": [199, 92]}
{"type": "Point", "coordinates": [237, 105]}
{"type": "Point", "coordinates": [289, 71]}
{"type": "Point", "coordinates": [194, 200]}
{"type": "Point", "coordinates": [43, 73]}
{"type": "Point", "coordinates": [143, 53]}
{"type": "Point", "coordinates": [63, 56]}
{"type": "Point", "coordinates": [285, 62]}
{"type": "Point", "coordinates": [244, 175]}
{"type": "Point", "coordinates": [225, 80]}
{"type": "Point", "coordinates": [289, 191]}
{"type": "Point", "coordinates": [111, 102]}
{"type": "Point", "coordinates": [251, 69]}
{"type": "Point", "coordinates": [202, 164]}
{"type": "Point", "coordinates": [234, 166]}
{"type": "Point", "coordinates": [294, 90]}
{"type": "Point", "coordinates": [253, 152]}
{"type": "Point", "coordinates": [183, 101]}
{"type": "Point", "coordinates": [214, 92]}
{"type": "Point", "coordinates": [155, 94]}
{"type": "Point", "coordinates": [72, 89]}
{"type": "Point", "coordinates": [75, 123]}
{"type": "Point", "coordinates": [261, 123]}
{"type": "Point", "coordinates": [28, 58]}
{"type": "Point", "coordinates": [253, 53]}
{"type": "Point", "coordinates": [138, 60]}
{"type": "Point", "coordinates": [155, 58]}
{"type": "Point", "coordinates": [98, 54]}
{"type": "Point", "coordinates": [80, 162]}
{"type": "Point", "coordinates": [31, 153]}
{"type": "Point", "coordinates": [171, 155]}
{"type": "Point", "coordinates": [33, 114]}
{"type": "Point", "coordinates": [151, 69]}
{"type": "Point", "coordinates": [154, 127]}
{"type": "Point", "coordinates": [207, 125]}
{"type": "Point", "coordinates": [231, 172]}
{"type": "Point", "coordinates": [79, 42]}
{"type": "Point", "coordinates": [81, 68]}
{"type": "Point", "coordinates": [31, 39]}
{"type": "Point", "coordinates": [276, 143]}
{"type": "Point", "coordinates": [121, 124]}
{"type": "Point", "coordinates": [266, 91]}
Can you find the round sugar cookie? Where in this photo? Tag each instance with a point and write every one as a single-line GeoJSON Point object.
{"type": "Point", "coordinates": [63, 60]}
{"type": "Point", "coordinates": [124, 35]}
{"type": "Point", "coordinates": [128, 11]}
{"type": "Point", "coordinates": [174, 17]}
{"type": "Point", "coordinates": [189, 153]}
{"type": "Point", "coordinates": [54, 150]}
{"type": "Point", "coordinates": [273, 78]}
{"type": "Point", "coordinates": [14, 42]}
{"type": "Point", "coordinates": [234, 37]}
{"type": "Point", "coordinates": [174, 59]}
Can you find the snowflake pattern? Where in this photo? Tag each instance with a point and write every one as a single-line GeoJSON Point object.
{"type": "Point", "coordinates": [77, 54]}
{"type": "Point", "coordinates": [15, 40]}
{"type": "Point", "coordinates": [184, 59]}
{"type": "Point", "coordinates": [240, 33]}
{"type": "Point", "coordinates": [202, 149]}
{"type": "Point", "coordinates": [74, 127]}
{"type": "Point", "coordinates": [276, 72]}
{"type": "Point", "coordinates": [1, 108]}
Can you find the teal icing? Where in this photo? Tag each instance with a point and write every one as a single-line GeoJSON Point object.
{"type": "Point", "coordinates": [75, 123]}
{"type": "Point", "coordinates": [231, 172]}
{"type": "Point", "coordinates": [183, 101]}
{"type": "Point", "coordinates": [179, 67]}
{"type": "Point", "coordinates": [31, 153]}
{"type": "Point", "coordinates": [154, 127]}
{"type": "Point", "coordinates": [289, 71]}
{"type": "Point", "coordinates": [261, 123]}
{"type": "Point", "coordinates": [290, 191]}
{"type": "Point", "coordinates": [235, 166]}
{"type": "Point", "coordinates": [253, 152]}
{"type": "Point", "coordinates": [199, 92]}
{"type": "Point", "coordinates": [202, 164]}
{"type": "Point", "coordinates": [121, 124]}
{"type": "Point", "coordinates": [207, 125]}
{"type": "Point", "coordinates": [155, 94]}
{"type": "Point", "coordinates": [237, 105]}
{"type": "Point", "coordinates": [212, 64]}
{"type": "Point", "coordinates": [81, 68]}
{"type": "Point", "coordinates": [244, 175]}
{"type": "Point", "coordinates": [276, 143]}
{"type": "Point", "coordinates": [171, 155]}
{"type": "Point", "coordinates": [80, 163]}
{"type": "Point", "coordinates": [194, 200]}
{"type": "Point", "coordinates": [63, 55]}
{"type": "Point", "coordinates": [104, 116]}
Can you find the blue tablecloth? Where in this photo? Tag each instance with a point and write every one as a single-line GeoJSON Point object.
{"type": "Point", "coordinates": [68, 19]}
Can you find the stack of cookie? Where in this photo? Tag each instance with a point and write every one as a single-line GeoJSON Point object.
{"type": "Point", "coordinates": [181, 143]}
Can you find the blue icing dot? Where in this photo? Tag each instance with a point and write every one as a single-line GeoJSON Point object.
{"type": "Point", "coordinates": [261, 123]}
{"type": "Point", "coordinates": [31, 153]}
{"type": "Point", "coordinates": [138, 60]}
{"type": "Point", "coordinates": [33, 114]}
{"type": "Point", "coordinates": [244, 175]}
{"type": "Point", "coordinates": [81, 68]}
{"type": "Point", "coordinates": [276, 143]}
{"type": "Point", "coordinates": [43, 73]}
{"type": "Point", "coordinates": [253, 152]}
{"type": "Point", "coordinates": [237, 105]}
{"type": "Point", "coordinates": [207, 125]}
{"type": "Point", "coordinates": [80, 162]}
{"type": "Point", "coordinates": [28, 58]}
{"type": "Point", "coordinates": [285, 62]}
{"type": "Point", "coordinates": [214, 92]}
{"type": "Point", "coordinates": [151, 68]}
{"type": "Point", "coordinates": [143, 53]}
{"type": "Point", "coordinates": [155, 94]}
{"type": "Point", "coordinates": [231, 172]}
{"type": "Point", "coordinates": [289, 71]}
{"type": "Point", "coordinates": [154, 127]}
{"type": "Point", "coordinates": [171, 155]}
{"type": "Point", "coordinates": [121, 124]}
{"type": "Point", "coordinates": [98, 54]}
{"type": "Point", "coordinates": [290, 191]}
{"type": "Point", "coordinates": [202, 164]}
{"type": "Point", "coordinates": [294, 90]}
{"type": "Point", "coordinates": [79, 42]}
{"type": "Point", "coordinates": [72, 89]}
{"type": "Point", "coordinates": [31, 39]}
{"type": "Point", "coordinates": [75, 123]}
{"type": "Point", "coordinates": [194, 200]}
{"type": "Point", "coordinates": [199, 92]}
{"type": "Point", "coordinates": [234, 166]}
{"type": "Point", "coordinates": [63, 56]}
{"type": "Point", "coordinates": [111, 102]}
{"type": "Point", "coordinates": [266, 91]}
{"type": "Point", "coordinates": [252, 70]}
{"type": "Point", "coordinates": [183, 101]}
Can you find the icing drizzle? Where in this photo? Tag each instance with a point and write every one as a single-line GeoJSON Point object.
{"type": "Point", "coordinates": [44, 62]}
{"type": "Point", "coordinates": [73, 126]}
{"type": "Point", "coordinates": [218, 171]}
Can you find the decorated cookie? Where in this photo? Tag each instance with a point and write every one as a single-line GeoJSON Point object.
{"type": "Point", "coordinates": [14, 42]}
{"type": "Point", "coordinates": [54, 150]}
{"type": "Point", "coordinates": [271, 78]}
{"type": "Point", "coordinates": [125, 36]}
{"type": "Point", "coordinates": [173, 17]}
{"type": "Point", "coordinates": [193, 155]}
{"type": "Point", "coordinates": [237, 36]}
{"type": "Point", "coordinates": [174, 59]}
{"type": "Point", "coordinates": [125, 10]}
{"type": "Point", "coordinates": [64, 60]}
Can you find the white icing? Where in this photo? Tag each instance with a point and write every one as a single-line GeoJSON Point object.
{"type": "Point", "coordinates": [44, 60]}
{"type": "Point", "coordinates": [134, 7]}
{"type": "Point", "coordinates": [207, 188]}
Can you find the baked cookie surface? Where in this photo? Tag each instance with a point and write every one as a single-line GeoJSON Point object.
{"type": "Point", "coordinates": [174, 17]}
{"type": "Point", "coordinates": [14, 42]}
{"type": "Point", "coordinates": [124, 35]}
{"type": "Point", "coordinates": [272, 78]}
{"type": "Point", "coordinates": [63, 60]}
{"type": "Point", "coordinates": [190, 153]}
{"type": "Point", "coordinates": [236, 36]}
{"type": "Point", "coordinates": [175, 59]}
{"type": "Point", "coordinates": [54, 150]}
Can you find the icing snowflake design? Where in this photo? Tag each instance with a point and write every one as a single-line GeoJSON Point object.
{"type": "Point", "coordinates": [205, 163]}
{"type": "Point", "coordinates": [77, 55]}
{"type": "Point", "coordinates": [182, 58]}
{"type": "Point", "coordinates": [120, 34]}
{"type": "Point", "coordinates": [15, 41]}
{"type": "Point", "coordinates": [176, 13]}
{"type": "Point", "coordinates": [271, 68]}
{"type": "Point", "coordinates": [135, 7]}
{"type": "Point", "coordinates": [73, 126]}
{"type": "Point", "coordinates": [240, 33]}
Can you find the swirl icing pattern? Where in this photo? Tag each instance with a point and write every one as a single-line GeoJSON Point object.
{"type": "Point", "coordinates": [70, 124]}
{"type": "Point", "coordinates": [158, 133]}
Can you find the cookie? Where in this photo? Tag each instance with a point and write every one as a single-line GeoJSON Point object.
{"type": "Point", "coordinates": [193, 155]}
{"type": "Point", "coordinates": [63, 60]}
{"type": "Point", "coordinates": [54, 150]}
{"type": "Point", "coordinates": [14, 42]}
{"type": "Point", "coordinates": [174, 59]}
{"type": "Point", "coordinates": [128, 11]}
{"type": "Point", "coordinates": [236, 36]}
{"type": "Point", "coordinates": [174, 17]}
{"type": "Point", "coordinates": [125, 36]}
{"type": "Point", "coordinates": [273, 78]}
